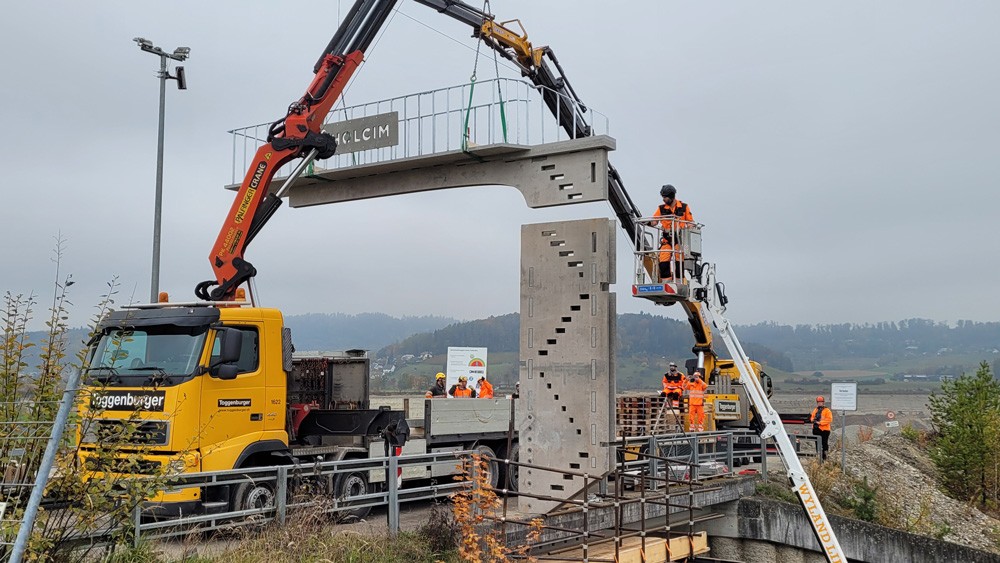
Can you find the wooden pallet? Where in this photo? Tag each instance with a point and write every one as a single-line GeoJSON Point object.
{"type": "Point", "coordinates": [644, 415]}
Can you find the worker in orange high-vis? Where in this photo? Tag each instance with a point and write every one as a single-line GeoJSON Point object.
{"type": "Point", "coordinates": [696, 402]}
{"type": "Point", "coordinates": [821, 418]}
{"type": "Point", "coordinates": [674, 383]}
{"type": "Point", "coordinates": [672, 210]}
{"type": "Point", "coordinates": [673, 216]}
{"type": "Point", "coordinates": [484, 389]}
{"type": "Point", "coordinates": [437, 391]}
{"type": "Point", "coordinates": [462, 390]}
{"type": "Point", "coordinates": [670, 260]}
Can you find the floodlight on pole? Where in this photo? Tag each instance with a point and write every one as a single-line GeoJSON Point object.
{"type": "Point", "coordinates": [179, 54]}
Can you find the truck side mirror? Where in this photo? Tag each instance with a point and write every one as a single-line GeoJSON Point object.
{"type": "Point", "coordinates": [230, 347]}
{"type": "Point", "coordinates": [226, 371]}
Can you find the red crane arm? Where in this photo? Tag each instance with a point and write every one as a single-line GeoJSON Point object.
{"type": "Point", "coordinates": [297, 135]}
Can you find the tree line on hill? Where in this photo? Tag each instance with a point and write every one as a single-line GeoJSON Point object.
{"type": "Point", "coordinates": [781, 347]}
{"type": "Point", "coordinates": [886, 342]}
{"type": "Point", "coordinates": [647, 338]}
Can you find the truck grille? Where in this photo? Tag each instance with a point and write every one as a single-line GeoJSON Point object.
{"type": "Point", "coordinates": [129, 465]}
{"type": "Point", "coordinates": [149, 433]}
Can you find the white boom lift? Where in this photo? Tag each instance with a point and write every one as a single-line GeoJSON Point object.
{"type": "Point", "coordinates": [698, 283]}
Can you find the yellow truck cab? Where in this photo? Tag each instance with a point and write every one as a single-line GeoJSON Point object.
{"type": "Point", "coordinates": [209, 386]}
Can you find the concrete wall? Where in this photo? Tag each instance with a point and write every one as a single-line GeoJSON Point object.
{"type": "Point", "coordinates": [567, 355]}
{"type": "Point", "coordinates": [757, 529]}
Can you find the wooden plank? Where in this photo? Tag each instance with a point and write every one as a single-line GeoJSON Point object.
{"type": "Point", "coordinates": [631, 550]}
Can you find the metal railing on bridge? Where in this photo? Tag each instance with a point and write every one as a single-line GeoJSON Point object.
{"type": "Point", "coordinates": [499, 110]}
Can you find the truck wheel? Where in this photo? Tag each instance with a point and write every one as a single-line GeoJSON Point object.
{"type": "Point", "coordinates": [508, 473]}
{"type": "Point", "coordinates": [251, 495]}
{"type": "Point", "coordinates": [492, 467]}
{"type": "Point", "coordinates": [350, 486]}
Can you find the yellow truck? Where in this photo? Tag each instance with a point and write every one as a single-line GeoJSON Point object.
{"type": "Point", "coordinates": [216, 386]}
{"type": "Point", "coordinates": [211, 387]}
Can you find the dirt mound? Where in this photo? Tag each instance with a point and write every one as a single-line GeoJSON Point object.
{"type": "Point", "coordinates": [908, 495]}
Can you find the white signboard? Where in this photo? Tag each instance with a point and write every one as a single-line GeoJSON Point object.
{"type": "Point", "coordinates": [3, 509]}
{"type": "Point", "coordinates": [844, 396]}
{"type": "Point", "coordinates": [364, 133]}
{"type": "Point", "coordinates": [470, 362]}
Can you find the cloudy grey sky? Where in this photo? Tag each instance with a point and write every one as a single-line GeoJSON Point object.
{"type": "Point", "coordinates": [843, 156]}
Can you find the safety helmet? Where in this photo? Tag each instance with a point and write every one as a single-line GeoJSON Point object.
{"type": "Point", "coordinates": [820, 399]}
{"type": "Point", "coordinates": [697, 374]}
{"type": "Point", "coordinates": [440, 376]}
{"type": "Point", "coordinates": [668, 191]}
{"type": "Point", "coordinates": [673, 365]}
{"type": "Point", "coordinates": [463, 378]}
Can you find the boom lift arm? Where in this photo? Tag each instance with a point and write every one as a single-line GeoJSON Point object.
{"type": "Point", "coordinates": [297, 135]}
{"type": "Point", "coordinates": [712, 295]}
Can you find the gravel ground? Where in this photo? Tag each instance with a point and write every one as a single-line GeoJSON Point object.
{"type": "Point", "coordinates": [909, 497]}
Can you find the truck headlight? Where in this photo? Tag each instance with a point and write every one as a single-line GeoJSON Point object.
{"type": "Point", "coordinates": [177, 466]}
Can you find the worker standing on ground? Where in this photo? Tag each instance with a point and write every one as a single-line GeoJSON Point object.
{"type": "Point", "coordinates": [821, 418]}
{"type": "Point", "coordinates": [437, 391]}
{"type": "Point", "coordinates": [484, 389]}
{"type": "Point", "coordinates": [462, 389]}
{"type": "Point", "coordinates": [696, 402]}
{"type": "Point", "coordinates": [674, 383]}
{"type": "Point", "coordinates": [673, 215]}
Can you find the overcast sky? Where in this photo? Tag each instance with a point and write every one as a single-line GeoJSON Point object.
{"type": "Point", "coordinates": [845, 157]}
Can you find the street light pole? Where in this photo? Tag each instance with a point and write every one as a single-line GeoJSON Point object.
{"type": "Point", "coordinates": [179, 54]}
{"type": "Point", "coordinates": [154, 284]}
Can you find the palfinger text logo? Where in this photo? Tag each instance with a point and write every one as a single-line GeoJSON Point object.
{"type": "Point", "coordinates": [251, 190]}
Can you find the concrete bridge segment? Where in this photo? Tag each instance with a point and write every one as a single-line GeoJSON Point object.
{"type": "Point", "coordinates": [559, 173]}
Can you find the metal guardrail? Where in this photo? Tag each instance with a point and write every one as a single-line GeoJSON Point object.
{"type": "Point", "coordinates": [688, 455]}
{"type": "Point", "coordinates": [499, 110]}
{"type": "Point", "coordinates": [675, 459]}
{"type": "Point", "coordinates": [691, 456]}
{"type": "Point", "coordinates": [290, 494]}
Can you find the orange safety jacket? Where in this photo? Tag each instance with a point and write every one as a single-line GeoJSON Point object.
{"type": "Point", "coordinates": [696, 392]}
{"type": "Point", "coordinates": [674, 385]}
{"type": "Point", "coordinates": [458, 392]}
{"type": "Point", "coordinates": [678, 211]}
{"type": "Point", "coordinates": [822, 417]}
{"type": "Point", "coordinates": [485, 390]}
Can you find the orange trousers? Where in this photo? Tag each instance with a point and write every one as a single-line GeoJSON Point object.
{"type": "Point", "coordinates": [698, 416]}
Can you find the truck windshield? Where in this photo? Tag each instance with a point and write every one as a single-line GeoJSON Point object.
{"type": "Point", "coordinates": [143, 356]}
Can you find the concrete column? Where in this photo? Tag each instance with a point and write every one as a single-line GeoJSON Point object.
{"type": "Point", "coordinates": [567, 354]}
